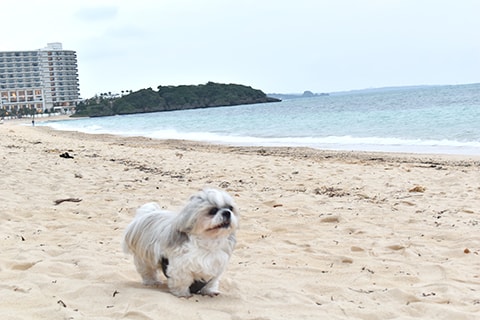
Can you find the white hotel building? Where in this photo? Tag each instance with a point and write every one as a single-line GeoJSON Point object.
{"type": "Point", "coordinates": [41, 80]}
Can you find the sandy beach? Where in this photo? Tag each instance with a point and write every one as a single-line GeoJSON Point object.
{"type": "Point", "coordinates": [323, 234]}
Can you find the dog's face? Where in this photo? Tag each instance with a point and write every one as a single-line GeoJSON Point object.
{"type": "Point", "coordinates": [210, 214]}
{"type": "Point", "coordinates": [217, 222]}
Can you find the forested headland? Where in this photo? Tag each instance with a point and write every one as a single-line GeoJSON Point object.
{"type": "Point", "coordinates": [169, 98]}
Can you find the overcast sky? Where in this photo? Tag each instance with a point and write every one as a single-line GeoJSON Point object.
{"type": "Point", "coordinates": [277, 46]}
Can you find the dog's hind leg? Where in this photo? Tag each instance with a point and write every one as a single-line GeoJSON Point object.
{"type": "Point", "coordinates": [148, 273]}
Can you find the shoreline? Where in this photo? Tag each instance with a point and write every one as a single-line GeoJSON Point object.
{"type": "Point", "coordinates": [28, 120]}
{"type": "Point", "coordinates": [300, 152]}
{"type": "Point", "coordinates": [472, 157]}
{"type": "Point", "coordinates": [343, 235]}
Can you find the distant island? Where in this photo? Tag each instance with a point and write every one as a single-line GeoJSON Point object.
{"type": "Point", "coordinates": [169, 98]}
{"type": "Point", "coordinates": [306, 94]}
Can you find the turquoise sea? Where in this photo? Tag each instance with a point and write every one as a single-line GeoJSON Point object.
{"type": "Point", "coordinates": [427, 119]}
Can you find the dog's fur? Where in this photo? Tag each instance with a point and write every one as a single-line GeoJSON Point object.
{"type": "Point", "coordinates": [193, 246]}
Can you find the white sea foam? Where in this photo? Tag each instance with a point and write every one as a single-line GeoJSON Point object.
{"type": "Point", "coordinates": [328, 142]}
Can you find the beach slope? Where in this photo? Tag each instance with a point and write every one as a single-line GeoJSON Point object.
{"type": "Point", "coordinates": [334, 235]}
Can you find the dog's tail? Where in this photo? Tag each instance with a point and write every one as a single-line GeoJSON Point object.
{"type": "Point", "coordinates": [127, 238]}
{"type": "Point", "coordinates": [147, 208]}
{"type": "Point", "coordinates": [136, 229]}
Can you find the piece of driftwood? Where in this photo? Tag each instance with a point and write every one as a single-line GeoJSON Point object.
{"type": "Point", "coordinates": [57, 202]}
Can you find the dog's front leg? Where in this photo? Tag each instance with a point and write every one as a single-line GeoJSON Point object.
{"type": "Point", "coordinates": [180, 286]}
{"type": "Point", "coordinates": [211, 289]}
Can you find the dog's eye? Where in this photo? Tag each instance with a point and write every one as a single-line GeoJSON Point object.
{"type": "Point", "coordinates": [213, 211]}
{"type": "Point", "coordinates": [230, 208]}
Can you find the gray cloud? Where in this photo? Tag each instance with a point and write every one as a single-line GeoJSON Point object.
{"type": "Point", "coordinates": [97, 13]}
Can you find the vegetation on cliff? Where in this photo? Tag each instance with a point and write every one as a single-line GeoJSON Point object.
{"type": "Point", "coordinates": [169, 98]}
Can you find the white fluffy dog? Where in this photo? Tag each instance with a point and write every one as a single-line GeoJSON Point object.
{"type": "Point", "coordinates": [192, 248]}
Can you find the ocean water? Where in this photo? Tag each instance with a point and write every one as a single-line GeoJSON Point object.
{"type": "Point", "coordinates": [432, 119]}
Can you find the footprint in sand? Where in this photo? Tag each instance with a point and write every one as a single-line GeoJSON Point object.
{"type": "Point", "coordinates": [24, 266]}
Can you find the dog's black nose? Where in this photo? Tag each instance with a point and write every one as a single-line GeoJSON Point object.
{"type": "Point", "coordinates": [226, 214]}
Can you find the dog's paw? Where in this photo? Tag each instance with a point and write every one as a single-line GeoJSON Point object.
{"type": "Point", "coordinates": [182, 293]}
{"type": "Point", "coordinates": [152, 283]}
{"type": "Point", "coordinates": [210, 292]}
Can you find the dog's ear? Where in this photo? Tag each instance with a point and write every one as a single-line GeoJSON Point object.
{"type": "Point", "coordinates": [185, 221]}
{"type": "Point", "coordinates": [187, 218]}
{"type": "Point", "coordinates": [186, 227]}
{"type": "Point", "coordinates": [177, 238]}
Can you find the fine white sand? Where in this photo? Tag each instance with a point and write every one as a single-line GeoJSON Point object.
{"type": "Point", "coordinates": [324, 235]}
